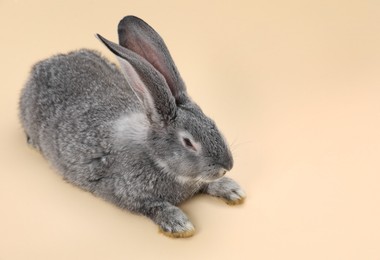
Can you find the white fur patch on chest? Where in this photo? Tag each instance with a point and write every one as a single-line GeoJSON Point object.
{"type": "Point", "coordinates": [131, 129]}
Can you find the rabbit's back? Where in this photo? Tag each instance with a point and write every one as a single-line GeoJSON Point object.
{"type": "Point", "coordinates": [69, 105]}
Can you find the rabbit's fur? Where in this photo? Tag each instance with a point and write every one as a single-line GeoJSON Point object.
{"type": "Point", "coordinates": [133, 137]}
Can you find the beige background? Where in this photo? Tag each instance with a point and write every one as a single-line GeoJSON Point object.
{"type": "Point", "coordinates": [295, 87]}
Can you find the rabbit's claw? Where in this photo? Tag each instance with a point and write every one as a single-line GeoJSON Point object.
{"type": "Point", "coordinates": [174, 223]}
{"type": "Point", "coordinates": [226, 189]}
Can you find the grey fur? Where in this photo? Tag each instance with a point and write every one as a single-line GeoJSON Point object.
{"type": "Point", "coordinates": [122, 136]}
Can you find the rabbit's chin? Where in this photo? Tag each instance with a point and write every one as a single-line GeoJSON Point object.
{"type": "Point", "coordinates": [201, 178]}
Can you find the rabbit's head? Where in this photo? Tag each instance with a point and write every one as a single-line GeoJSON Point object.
{"type": "Point", "coordinates": [181, 138]}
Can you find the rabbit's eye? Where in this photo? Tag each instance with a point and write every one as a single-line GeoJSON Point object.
{"type": "Point", "coordinates": [188, 143]}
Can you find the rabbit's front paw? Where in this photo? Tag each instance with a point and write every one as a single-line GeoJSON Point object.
{"type": "Point", "coordinates": [226, 189]}
{"type": "Point", "coordinates": [174, 223]}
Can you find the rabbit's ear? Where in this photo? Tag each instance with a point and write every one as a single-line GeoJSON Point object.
{"type": "Point", "coordinates": [139, 37]}
{"type": "Point", "coordinates": [148, 84]}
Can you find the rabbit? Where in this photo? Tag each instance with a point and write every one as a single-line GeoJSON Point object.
{"type": "Point", "coordinates": [129, 134]}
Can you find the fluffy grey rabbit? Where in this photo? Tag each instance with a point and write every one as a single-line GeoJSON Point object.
{"type": "Point", "coordinates": [132, 136]}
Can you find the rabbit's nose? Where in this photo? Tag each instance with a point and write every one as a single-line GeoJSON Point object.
{"type": "Point", "coordinates": [226, 160]}
{"type": "Point", "coordinates": [227, 163]}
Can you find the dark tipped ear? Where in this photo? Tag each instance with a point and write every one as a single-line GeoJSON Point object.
{"type": "Point", "coordinates": [139, 37]}
{"type": "Point", "coordinates": [147, 83]}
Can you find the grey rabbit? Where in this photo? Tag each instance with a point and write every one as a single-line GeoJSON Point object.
{"type": "Point", "coordinates": [131, 136]}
